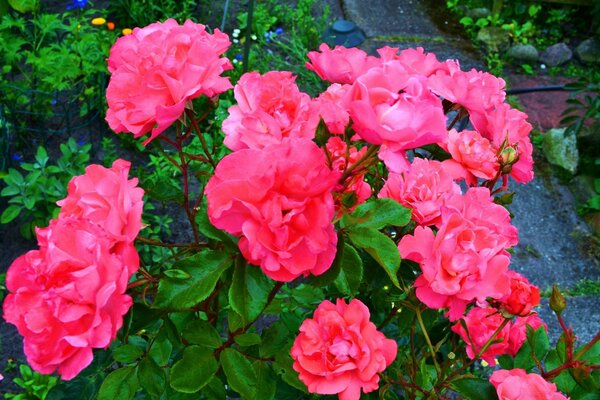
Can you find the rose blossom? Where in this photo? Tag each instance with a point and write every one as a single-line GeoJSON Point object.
{"type": "Point", "coordinates": [518, 331]}
{"type": "Point", "coordinates": [466, 260]}
{"type": "Point", "coordinates": [339, 351]}
{"type": "Point", "coordinates": [107, 198]}
{"type": "Point", "coordinates": [156, 70]}
{"type": "Point", "coordinates": [340, 64]}
{"type": "Point", "coordinates": [416, 61]}
{"type": "Point", "coordinates": [424, 189]}
{"type": "Point", "coordinates": [517, 384]}
{"type": "Point", "coordinates": [67, 298]}
{"type": "Point", "coordinates": [279, 201]}
{"type": "Point", "coordinates": [330, 108]}
{"type": "Point", "coordinates": [394, 109]}
{"type": "Point", "coordinates": [481, 324]}
{"type": "Point", "coordinates": [523, 295]}
{"type": "Point", "coordinates": [269, 108]}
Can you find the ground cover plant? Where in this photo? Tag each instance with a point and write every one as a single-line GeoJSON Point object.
{"type": "Point", "coordinates": [332, 248]}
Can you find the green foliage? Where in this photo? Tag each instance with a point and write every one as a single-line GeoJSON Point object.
{"type": "Point", "coordinates": [32, 196]}
{"type": "Point", "coordinates": [35, 385]}
{"type": "Point", "coordinates": [139, 13]}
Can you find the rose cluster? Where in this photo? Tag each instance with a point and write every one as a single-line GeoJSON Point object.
{"type": "Point", "coordinates": [68, 297]}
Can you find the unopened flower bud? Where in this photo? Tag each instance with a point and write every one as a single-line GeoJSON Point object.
{"type": "Point", "coordinates": [557, 301]}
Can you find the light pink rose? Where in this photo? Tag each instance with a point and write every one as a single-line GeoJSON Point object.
{"type": "Point", "coordinates": [279, 201]}
{"type": "Point", "coordinates": [394, 109]}
{"type": "Point", "coordinates": [156, 70]}
{"type": "Point", "coordinates": [340, 64]}
{"type": "Point", "coordinates": [523, 295]}
{"type": "Point", "coordinates": [517, 384]}
{"type": "Point", "coordinates": [330, 107]}
{"type": "Point", "coordinates": [270, 108]}
{"type": "Point", "coordinates": [107, 198]}
{"type": "Point", "coordinates": [481, 324]}
{"type": "Point", "coordinates": [339, 351]}
{"type": "Point", "coordinates": [473, 156]}
{"type": "Point", "coordinates": [424, 189]}
{"type": "Point", "coordinates": [466, 260]}
{"type": "Point", "coordinates": [67, 298]}
{"type": "Point", "coordinates": [518, 331]}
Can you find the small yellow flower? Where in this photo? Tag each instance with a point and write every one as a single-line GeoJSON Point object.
{"type": "Point", "coordinates": [98, 21]}
{"type": "Point", "coordinates": [126, 31]}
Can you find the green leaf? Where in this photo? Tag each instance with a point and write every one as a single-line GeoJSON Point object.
{"type": "Point", "coordinates": [152, 377]}
{"type": "Point", "coordinates": [380, 247]}
{"type": "Point", "coordinates": [9, 214]}
{"type": "Point", "coordinates": [205, 269]}
{"type": "Point", "coordinates": [247, 339]}
{"type": "Point", "coordinates": [326, 278]}
{"type": "Point", "coordinates": [249, 291]}
{"type": "Point", "coordinates": [215, 390]}
{"type": "Point", "coordinates": [377, 214]}
{"type": "Point", "coordinates": [120, 384]}
{"type": "Point", "coordinates": [202, 333]}
{"type": "Point", "coordinates": [24, 6]}
{"type": "Point", "coordinates": [265, 381]}
{"type": "Point", "coordinates": [536, 344]}
{"type": "Point", "coordinates": [177, 274]}
{"type": "Point", "coordinates": [10, 191]}
{"type": "Point", "coordinates": [273, 339]}
{"type": "Point", "coordinates": [240, 374]}
{"type": "Point", "coordinates": [283, 366]}
{"type": "Point", "coordinates": [208, 230]}
{"type": "Point", "coordinates": [127, 353]}
{"type": "Point", "coordinates": [195, 369]}
{"type": "Point", "coordinates": [474, 389]}
{"type": "Point", "coordinates": [351, 272]}
{"type": "Point", "coordinates": [161, 349]}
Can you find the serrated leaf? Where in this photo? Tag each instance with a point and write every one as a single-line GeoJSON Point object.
{"type": "Point", "coordinates": [120, 384]}
{"type": "Point", "coordinates": [205, 269]}
{"type": "Point", "coordinates": [127, 353]}
{"type": "Point", "coordinates": [152, 378]}
{"type": "Point", "coordinates": [474, 389]}
{"type": "Point", "coordinates": [273, 339]}
{"type": "Point", "coordinates": [249, 291]}
{"type": "Point", "coordinates": [239, 372]}
{"type": "Point", "coordinates": [195, 369]}
{"type": "Point", "coordinates": [265, 381]}
{"type": "Point", "coordinates": [247, 339]}
{"type": "Point", "coordinates": [377, 214]}
{"type": "Point", "coordinates": [351, 271]}
{"type": "Point", "coordinates": [202, 333]}
{"type": "Point", "coordinates": [380, 247]}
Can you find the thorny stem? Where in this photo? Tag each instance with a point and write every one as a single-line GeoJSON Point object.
{"type": "Point", "coordinates": [194, 123]}
{"type": "Point", "coordinates": [372, 150]}
{"type": "Point", "coordinates": [390, 316]}
{"type": "Point", "coordinates": [429, 344]}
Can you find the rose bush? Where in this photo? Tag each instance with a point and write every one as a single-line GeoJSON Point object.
{"type": "Point", "coordinates": [355, 195]}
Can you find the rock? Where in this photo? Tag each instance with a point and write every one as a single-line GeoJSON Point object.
{"type": "Point", "coordinates": [588, 51]}
{"type": "Point", "coordinates": [523, 52]}
{"type": "Point", "coordinates": [494, 38]}
{"type": "Point", "coordinates": [560, 149]}
{"type": "Point", "coordinates": [556, 55]}
{"type": "Point", "coordinates": [480, 12]}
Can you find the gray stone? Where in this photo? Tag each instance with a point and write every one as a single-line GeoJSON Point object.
{"type": "Point", "coordinates": [480, 12]}
{"type": "Point", "coordinates": [556, 55]}
{"type": "Point", "coordinates": [495, 38]}
{"type": "Point", "coordinates": [523, 52]}
{"type": "Point", "coordinates": [588, 51]}
{"type": "Point", "coordinates": [581, 314]}
{"type": "Point", "coordinates": [560, 148]}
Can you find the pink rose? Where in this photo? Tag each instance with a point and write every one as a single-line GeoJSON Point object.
{"type": "Point", "coordinates": [340, 65]}
{"type": "Point", "coordinates": [473, 156]}
{"type": "Point", "coordinates": [270, 108]}
{"type": "Point", "coordinates": [339, 351]}
{"type": "Point", "coordinates": [279, 201]}
{"type": "Point", "coordinates": [424, 189]}
{"type": "Point", "coordinates": [394, 109]}
{"type": "Point", "coordinates": [156, 70]}
{"type": "Point", "coordinates": [416, 61]}
{"type": "Point", "coordinates": [466, 260]}
{"type": "Point", "coordinates": [481, 324]}
{"type": "Point", "coordinates": [67, 298]}
{"type": "Point", "coordinates": [107, 198]}
{"type": "Point", "coordinates": [517, 384]}
{"type": "Point", "coordinates": [518, 331]}
{"type": "Point", "coordinates": [331, 109]}
{"type": "Point", "coordinates": [523, 295]}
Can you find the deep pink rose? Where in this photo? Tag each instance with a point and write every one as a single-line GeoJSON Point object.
{"type": "Point", "coordinates": [523, 295]}
{"type": "Point", "coordinates": [424, 189]}
{"type": "Point", "coordinates": [416, 61]}
{"type": "Point", "coordinates": [339, 351]}
{"type": "Point", "coordinates": [473, 156]}
{"type": "Point", "coordinates": [279, 201]}
{"type": "Point", "coordinates": [517, 384]}
{"type": "Point", "coordinates": [340, 64]}
{"type": "Point", "coordinates": [331, 109]}
{"type": "Point", "coordinates": [394, 109]}
{"type": "Point", "coordinates": [481, 324]}
{"type": "Point", "coordinates": [518, 331]}
{"type": "Point", "coordinates": [156, 70]}
{"type": "Point", "coordinates": [466, 260]}
{"type": "Point", "coordinates": [67, 298]}
{"type": "Point", "coordinates": [269, 108]}
{"type": "Point", "coordinates": [107, 198]}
